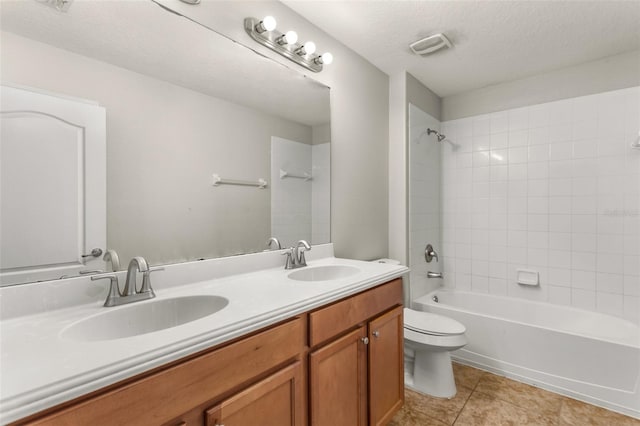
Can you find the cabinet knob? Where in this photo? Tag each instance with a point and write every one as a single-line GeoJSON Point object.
{"type": "Point", "coordinates": [365, 340]}
{"type": "Point", "coordinates": [376, 333]}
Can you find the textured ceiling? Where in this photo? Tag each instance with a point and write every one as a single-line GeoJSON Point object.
{"type": "Point", "coordinates": [141, 36]}
{"type": "Point", "coordinates": [494, 41]}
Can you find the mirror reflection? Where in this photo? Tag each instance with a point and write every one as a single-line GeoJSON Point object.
{"type": "Point", "coordinates": [183, 107]}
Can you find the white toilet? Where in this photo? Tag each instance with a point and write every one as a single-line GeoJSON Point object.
{"type": "Point", "coordinates": [428, 340]}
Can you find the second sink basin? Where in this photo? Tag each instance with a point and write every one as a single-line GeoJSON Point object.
{"type": "Point", "coordinates": [323, 273]}
{"type": "Point", "coordinates": [142, 318]}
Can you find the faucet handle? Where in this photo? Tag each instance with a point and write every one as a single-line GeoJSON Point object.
{"type": "Point", "coordinates": [290, 262]}
{"type": "Point", "coordinates": [300, 249]}
{"type": "Point", "coordinates": [114, 287]}
{"type": "Point", "coordinates": [146, 280]}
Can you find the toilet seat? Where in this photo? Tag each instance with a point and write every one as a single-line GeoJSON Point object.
{"type": "Point", "coordinates": [431, 324]}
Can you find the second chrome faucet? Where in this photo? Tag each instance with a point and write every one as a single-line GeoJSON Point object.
{"type": "Point", "coordinates": [130, 293]}
{"type": "Point", "coordinates": [295, 255]}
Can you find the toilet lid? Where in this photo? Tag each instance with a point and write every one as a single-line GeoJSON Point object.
{"type": "Point", "coordinates": [433, 324]}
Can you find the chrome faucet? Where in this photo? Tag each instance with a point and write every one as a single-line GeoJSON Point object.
{"type": "Point", "coordinates": [295, 255]}
{"type": "Point", "coordinates": [130, 293]}
{"type": "Point", "coordinates": [273, 241]}
{"type": "Point", "coordinates": [298, 252]}
{"type": "Point", "coordinates": [112, 256]}
{"type": "Point", "coordinates": [137, 264]}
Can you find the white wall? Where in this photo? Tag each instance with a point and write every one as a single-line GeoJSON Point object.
{"type": "Point", "coordinates": [553, 187]}
{"type": "Point", "coordinates": [424, 201]}
{"type": "Point", "coordinates": [172, 213]}
{"type": "Point", "coordinates": [612, 73]}
{"type": "Point", "coordinates": [359, 123]}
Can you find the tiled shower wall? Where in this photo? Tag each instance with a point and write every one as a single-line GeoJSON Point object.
{"type": "Point", "coordinates": [424, 201]}
{"type": "Point", "coordinates": [553, 188]}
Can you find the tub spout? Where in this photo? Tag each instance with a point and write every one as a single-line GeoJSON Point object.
{"type": "Point", "coordinates": [434, 274]}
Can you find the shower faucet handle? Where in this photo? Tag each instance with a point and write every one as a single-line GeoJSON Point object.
{"type": "Point", "coordinates": [430, 253]}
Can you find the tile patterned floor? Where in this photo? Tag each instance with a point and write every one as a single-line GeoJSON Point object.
{"type": "Point", "coordinates": [489, 400]}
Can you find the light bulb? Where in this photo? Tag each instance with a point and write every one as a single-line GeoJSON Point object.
{"type": "Point", "coordinates": [291, 37]}
{"type": "Point", "coordinates": [268, 23]}
{"type": "Point", "coordinates": [309, 47]}
{"type": "Point", "coordinates": [327, 58]}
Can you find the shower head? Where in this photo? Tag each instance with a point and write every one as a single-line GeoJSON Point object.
{"type": "Point", "coordinates": [439, 135]}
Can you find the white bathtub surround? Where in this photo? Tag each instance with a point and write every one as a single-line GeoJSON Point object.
{"type": "Point", "coordinates": [256, 286]}
{"type": "Point", "coordinates": [586, 355]}
{"type": "Point", "coordinates": [553, 188]}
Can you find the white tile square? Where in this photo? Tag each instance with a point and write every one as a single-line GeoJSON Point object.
{"type": "Point", "coordinates": [610, 263]}
{"type": "Point", "coordinates": [560, 223]}
{"type": "Point", "coordinates": [632, 285]}
{"type": "Point", "coordinates": [538, 153]}
{"type": "Point", "coordinates": [517, 171]}
{"type": "Point", "coordinates": [518, 138]}
{"type": "Point", "coordinates": [538, 136]}
{"type": "Point", "coordinates": [610, 283]}
{"type": "Point", "coordinates": [538, 205]}
{"type": "Point", "coordinates": [518, 155]}
{"type": "Point", "coordinates": [517, 188]}
{"type": "Point", "coordinates": [538, 257]}
{"type": "Point", "coordinates": [481, 125]}
{"type": "Point", "coordinates": [517, 222]}
{"type": "Point", "coordinates": [538, 116]}
{"type": "Point", "coordinates": [538, 170]}
{"type": "Point", "coordinates": [481, 159]}
{"type": "Point", "coordinates": [585, 280]}
{"type": "Point", "coordinates": [607, 303]}
{"type": "Point", "coordinates": [498, 286]}
{"type": "Point", "coordinates": [499, 156]}
{"type": "Point", "coordinates": [481, 143]}
{"type": "Point", "coordinates": [561, 151]}
{"type": "Point", "coordinates": [560, 169]}
{"type": "Point", "coordinates": [517, 238]}
{"type": "Point", "coordinates": [583, 205]}
{"type": "Point", "coordinates": [560, 187]}
{"type": "Point", "coordinates": [560, 133]}
{"type": "Point", "coordinates": [480, 284]}
{"type": "Point", "coordinates": [584, 167]}
{"type": "Point", "coordinates": [538, 188]}
{"type": "Point", "coordinates": [499, 189]}
{"type": "Point", "coordinates": [499, 140]}
{"type": "Point", "coordinates": [538, 240]}
{"type": "Point", "coordinates": [519, 118]}
{"type": "Point", "coordinates": [560, 111]}
{"type": "Point", "coordinates": [582, 186]}
{"type": "Point", "coordinates": [560, 259]}
{"type": "Point", "coordinates": [632, 309]}
{"type": "Point", "coordinates": [583, 299]}
{"type": "Point", "coordinates": [559, 276]}
{"type": "Point", "coordinates": [559, 295]}
{"type": "Point", "coordinates": [498, 253]}
{"type": "Point", "coordinates": [559, 205]}
{"type": "Point", "coordinates": [583, 243]}
{"type": "Point", "coordinates": [583, 261]}
{"type": "Point", "coordinates": [585, 148]}
{"type": "Point", "coordinates": [585, 224]}
{"type": "Point", "coordinates": [538, 223]}
{"type": "Point", "coordinates": [560, 241]}
{"type": "Point", "coordinates": [463, 282]}
{"type": "Point", "coordinates": [499, 122]}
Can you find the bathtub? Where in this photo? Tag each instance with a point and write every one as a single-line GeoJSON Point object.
{"type": "Point", "coordinates": [581, 354]}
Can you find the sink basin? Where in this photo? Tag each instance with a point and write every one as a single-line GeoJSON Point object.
{"type": "Point", "coordinates": [141, 318]}
{"type": "Point", "coordinates": [323, 273]}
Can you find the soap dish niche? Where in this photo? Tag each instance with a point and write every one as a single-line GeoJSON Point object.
{"type": "Point", "coordinates": [528, 277]}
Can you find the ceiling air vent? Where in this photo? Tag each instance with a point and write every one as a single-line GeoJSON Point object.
{"type": "Point", "coordinates": [430, 44]}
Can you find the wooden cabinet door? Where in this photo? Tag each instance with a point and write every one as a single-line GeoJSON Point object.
{"type": "Point", "coordinates": [338, 382]}
{"type": "Point", "coordinates": [386, 359]}
{"type": "Point", "coordinates": [274, 401]}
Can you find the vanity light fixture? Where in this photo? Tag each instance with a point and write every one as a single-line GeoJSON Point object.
{"type": "Point", "coordinates": [265, 33]}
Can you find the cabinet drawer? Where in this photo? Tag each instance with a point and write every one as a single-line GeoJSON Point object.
{"type": "Point", "coordinates": [162, 396]}
{"type": "Point", "coordinates": [328, 322]}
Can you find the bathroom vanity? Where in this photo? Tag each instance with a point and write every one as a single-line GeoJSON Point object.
{"type": "Point", "coordinates": [333, 356]}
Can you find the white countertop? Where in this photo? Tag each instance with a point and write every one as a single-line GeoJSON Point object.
{"type": "Point", "coordinates": [39, 369]}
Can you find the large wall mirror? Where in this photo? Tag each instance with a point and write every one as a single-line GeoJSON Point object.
{"type": "Point", "coordinates": [182, 104]}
